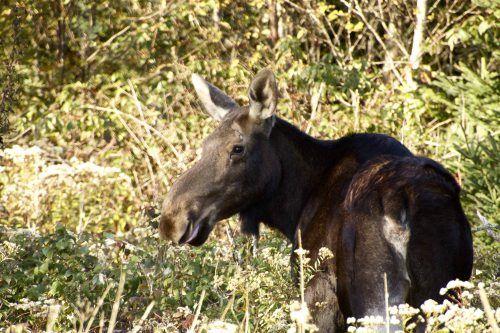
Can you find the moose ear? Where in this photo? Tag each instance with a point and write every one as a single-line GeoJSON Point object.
{"type": "Point", "coordinates": [263, 94]}
{"type": "Point", "coordinates": [214, 100]}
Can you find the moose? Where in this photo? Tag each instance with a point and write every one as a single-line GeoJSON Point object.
{"type": "Point", "coordinates": [380, 209]}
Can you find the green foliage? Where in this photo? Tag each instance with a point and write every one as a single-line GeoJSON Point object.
{"type": "Point", "coordinates": [103, 119]}
{"type": "Point", "coordinates": [73, 270]}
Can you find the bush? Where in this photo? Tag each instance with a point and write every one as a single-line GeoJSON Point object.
{"type": "Point", "coordinates": [99, 118]}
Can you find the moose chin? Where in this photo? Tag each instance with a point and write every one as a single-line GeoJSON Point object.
{"type": "Point", "coordinates": [378, 208]}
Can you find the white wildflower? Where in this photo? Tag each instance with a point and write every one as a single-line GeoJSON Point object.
{"type": "Point", "coordinates": [299, 313]}
{"type": "Point", "coordinates": [431, 306]}
{"type": "Point", "coordinates": [221, 327]}
{"type": "Point", "coordinates": [478, 314]}
{"type": "Point", "coordinates": [393, 310]}
{"type": "Point", "coordinates": [454, 284]}
{"type": "Point", "coordinates": [371, 320]}
{"type": "Point", "coordinates": [18, 154]}
{"type": "Point", "coordinates": [411, 326]}
{"type": "Point", "coordinates": [301, 252]}
{"type": "Point", "coordinates": [406, 310]}
{"type": "Point", "coordinates": [325, 253]}
{"type": "Point", "coordinates": [467, 295]}
{"type": "Point", "coordinates": [100, 278]}
{"type": "Point", "coordinates": [394, 321]}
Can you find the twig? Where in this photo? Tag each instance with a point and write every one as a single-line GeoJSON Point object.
{"type": "Point", "coordinates": [315, 98]}
{"type": "Point", "coordinates": [52, 317]}
{"type": "Point", "coordinates": [358, 11]}
{"type": "Point", "coordinates": [116, 304]}
{"type": "Point", "coordinates": [273, 20]}
{"type": "Point", "coordinates": [355, 106]}
{"type": "Point", "coordinates": [301, 266]}
{"type": "Point", "coordinates": [197, 314]}
{"type": "Point", "coordinates": [386, 297]}
{"type": "Point", "coordinates": [17, 137]}
{"type": "Point", "coordinates": [228, 306]}
{"type": "Point", "coordinates": [388, 30]}
{"type": "Point", "coordinates": [247, 312]}
{"type": "Point", "coordinates": [300, 327]}
{"type": "Point", "coordinates": [310, 12]}
{"type": "Point", "coordinates": [101, 323]}
{"type": "Point", "coordinates": [489, 227]}
{"type": "Point", "coordinates": [147, 149]}
{"type": "Point", "coordinates": [487, 308]}
{"type": "Point", "coordinates": [100, 301]}
{"type": "Point", "coordinates": [418, 35]}
{"type": "Point", "coordinates": [143, 318]}
{"type": "Point", "coordinates": [179, 156]}
{"type": "Point", "coordinates": [137, 104]}
{"type": "Point", "coordinates": [109, 41]}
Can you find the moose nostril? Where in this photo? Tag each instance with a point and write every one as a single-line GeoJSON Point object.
{"type": "Point", "coordinates": [191, 216]}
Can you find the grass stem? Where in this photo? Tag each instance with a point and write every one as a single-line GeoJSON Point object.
{"type": "Point", "coordinates": [116, 304]}
{"type": "Point", "coordinates": [197, 314]}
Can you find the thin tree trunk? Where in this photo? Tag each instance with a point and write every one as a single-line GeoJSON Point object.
{"type": "Point", "coordinates": [273, 20]}
{"type": "Point", "coordinates": [418, 36]}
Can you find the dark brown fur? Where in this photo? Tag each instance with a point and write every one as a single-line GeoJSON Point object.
{"type": "Point", "coordinates": [376, 206]}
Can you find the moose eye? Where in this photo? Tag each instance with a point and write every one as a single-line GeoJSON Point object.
{"type": "Point", "coordinates": [237, 150]}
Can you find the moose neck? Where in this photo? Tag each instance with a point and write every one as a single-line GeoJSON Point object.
{"type": "Point", "coordinates": [304, 160]}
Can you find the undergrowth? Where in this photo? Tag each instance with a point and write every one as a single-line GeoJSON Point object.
{"type": "Point", "coordinates": [99, 118]}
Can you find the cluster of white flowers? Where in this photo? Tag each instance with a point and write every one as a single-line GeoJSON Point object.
{"type": "Point", "coordinates": [299, 313]}
{"type": "Point", "coordinates": [40, 305]}
{"type": "Point", "coordinates": [35, 185]}
{"type": "Point", "coordinates": [431, 307]}
{"type": "Point", "coordinates": [301, 252]}
{"type": "Point", "coordinates": [219, 327]}
{"type": "Point", "coordinates": [76, 167]}
{"type": "Point", "coordinates": [276, 258]}
{"type": "Point", "coordinates": [325, 253]}
{"type": "Point", "coordinates": [367, 324]}
{"type": "Point", "coordinates": [456, 312]}
{"type": "Point", "coordinates": [363, 329]}
{"type": "Point", "coordinates": [182, 312]}
{"type": "Point", "coordinates": [403, 310]}
{"type": "Point", "coordinates": [19, 154]}
{"type": "Point", "coordinates": [100, 251]}
{"type": "Point", "coordinates": [456, 284]}
{"type": "Point", "coordinates": [97, 169]}
{"type": "Point", "coordinates": [455, 316]}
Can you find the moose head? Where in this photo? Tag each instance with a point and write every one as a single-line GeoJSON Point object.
{"type": "Point", "coordinates": [238, 165]}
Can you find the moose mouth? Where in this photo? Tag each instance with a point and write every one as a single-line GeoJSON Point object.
{"type": "Point", "coordinates": [196, 233]}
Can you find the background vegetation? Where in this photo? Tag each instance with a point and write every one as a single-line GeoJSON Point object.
{"type": "Point", "coordinates": [98, 118]}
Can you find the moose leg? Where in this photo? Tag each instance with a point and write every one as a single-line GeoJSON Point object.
{"type": "Point", "coordinates": [440, 249]}
{"type": "Point", "coordinates": [378, 253]}
{"type": "Point", "coordinates": [321, 298]}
